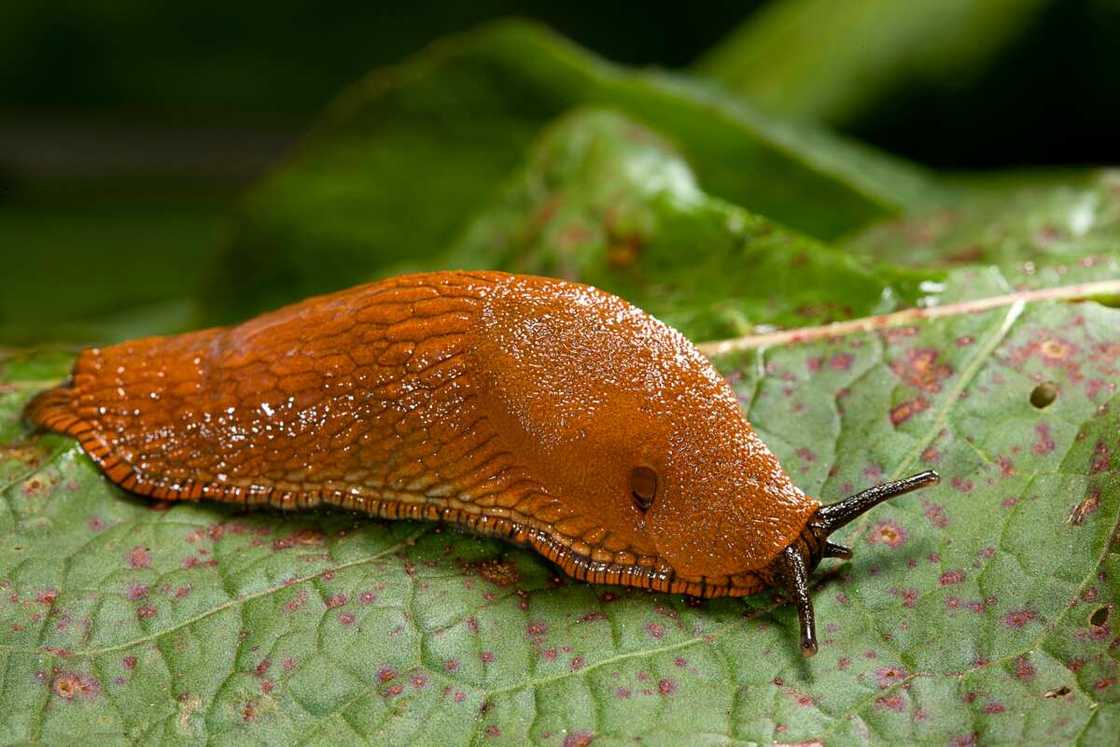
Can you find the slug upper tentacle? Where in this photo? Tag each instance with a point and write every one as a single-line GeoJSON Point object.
{"type": "Point", "coordinates": [543, 411]}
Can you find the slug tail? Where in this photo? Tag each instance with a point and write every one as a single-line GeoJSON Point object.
{"type": "Point", "coordinates": [54, 410]}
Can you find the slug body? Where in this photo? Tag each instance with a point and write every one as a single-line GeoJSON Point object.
{"type": "Point", "coordinates": [543, 411]}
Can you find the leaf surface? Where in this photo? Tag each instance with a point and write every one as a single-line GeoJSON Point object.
{"type": "Point", "coordinates": [834, 60]}
{"type": "Point", "coordinates": [1008, 222]}
{"type": "Point", "coordinates": [606, 201]}
{"type": "Point", "coordinates": [984, 608]}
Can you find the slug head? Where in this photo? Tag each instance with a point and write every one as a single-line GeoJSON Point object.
{"type": "Point", "coordinates": [791, 568]}
{"type": "Point", "coordinates": [633, 431]}
{"type": "Point", "coordinates": [644, 445]}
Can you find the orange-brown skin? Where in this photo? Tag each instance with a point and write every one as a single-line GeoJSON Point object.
{"type": "Point", "coordinates": [514, 406]}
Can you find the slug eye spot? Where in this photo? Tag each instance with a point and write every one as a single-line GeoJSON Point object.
{"type": "Point", "coordinates": [643, 486]}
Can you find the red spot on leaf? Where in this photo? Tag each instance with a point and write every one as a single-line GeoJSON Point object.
{"type": "Point", "coordinates": [920, 369]}
{"type": "Point", "coordinates": [498, 572]}
{"type": "Point", "coordinates": [139, 557]}
{"type": "Point", "coordinates": [71, 685]}
{"type": "Point", "coordinates": [888, 533]}
{"type": "Point", "coordinates": [902, 412]}
{"type": "Point", "coordinates": [948, 578]}
{"type": "Point", "coordinates": [1101, 461]}
{"type": "Point", "coordinates": [895, 703]}
{"type": "Point", "coordinates": [1044, 444]}
{"type": "Point", "coordinates": [1019, 618]}
{"type": "Point", "coordinates": [909, 596]}
{"type": "Point", "coordinates": [935, 512]}
{"type": "Point", "coordinates": [296, 601]}
{"type": "Point", "coordinates": [1024, 669]}
{"type": "Point", "coordinates": [1093, 387]}
{"type": "Point", "coordinates": [962, 484]}
{"type": "Point", "coordinates": [887, 676]}
{"type": "Point", "coordinates": [1055, 350]}
{"type": "Point", "coordinates": [1085, 508]}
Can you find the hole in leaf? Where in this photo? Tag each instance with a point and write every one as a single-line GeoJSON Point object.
{"type": "Point", "coordinates": [1056, 692]}
{"type": "Point", "coordinates": [1044, 394]}
{"type": "Point", "coordinates": [1099, 617]}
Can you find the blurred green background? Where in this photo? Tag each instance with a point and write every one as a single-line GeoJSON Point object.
{"type": "Point", "coordinates": [130, 131]}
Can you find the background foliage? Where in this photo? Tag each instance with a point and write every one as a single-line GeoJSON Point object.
{"type": "Point", "coordinates": [718, 196]}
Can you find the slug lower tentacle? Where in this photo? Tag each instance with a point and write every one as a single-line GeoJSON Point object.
{"type": "Point", "coordinates": [543, 411]}
{"type": "Point", "coordinates": [790, 570]}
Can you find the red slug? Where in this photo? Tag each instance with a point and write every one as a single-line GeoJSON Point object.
{"type": "Point", "coordinates": [546, 412]}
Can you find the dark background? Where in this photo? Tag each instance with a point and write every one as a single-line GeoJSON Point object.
{"type": "Point", "coordinates": [128, 128]}
{"type": "Point", "coordinates": [1052, 97]}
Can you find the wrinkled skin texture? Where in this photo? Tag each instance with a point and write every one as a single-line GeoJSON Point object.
{"type": "Point", "coordinates": [515, 406]}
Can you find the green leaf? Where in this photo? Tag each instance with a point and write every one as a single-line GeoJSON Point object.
{"type": "Point", "coordinates": [981, 609]}
{"type": "Point", "coordinates": [833, 60]}
{"type": "Point", "coordinates": [1008, 221]}
{"type": "Point", "coordinates": [104, 268]}
{"type": "Point", "coordinates": [608, 202]}
{"type": "Point", "coordinates": [405, 159]}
